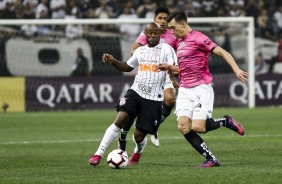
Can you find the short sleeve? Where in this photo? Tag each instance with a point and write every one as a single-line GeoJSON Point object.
{"type": "Point", "coordinates": [204, 42]}
{"type": "Point", "coordinates": [171, 55]}
{"type": "Point", "coordinates": [141, 39]}
{"type": "Point", "coordinates": [133, 61]}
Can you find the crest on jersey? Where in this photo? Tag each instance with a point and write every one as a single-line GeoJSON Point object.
{"type": "Point", "coordinates": [156, 52]}
{"type": "Point", "coordinates": [199, 105]}
{"type": "Point", "coordinates": [122, 101]}
{"type": "Point", "coordinates": [155, 123]}
{"type": "Point", "coordinates": [182, 44]}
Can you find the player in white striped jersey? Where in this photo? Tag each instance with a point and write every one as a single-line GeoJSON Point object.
{"type": "Point", "coordinates": [161, 14]}
{"type": "Point", "coordinates": [143, 101]}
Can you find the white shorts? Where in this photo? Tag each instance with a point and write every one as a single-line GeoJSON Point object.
{"type": "Point", "coordinates": [195, 103]}
{"type": "Point", "coordinates": [168, 83]}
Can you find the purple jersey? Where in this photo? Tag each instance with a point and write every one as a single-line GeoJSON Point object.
{"type": "Point", "coordinates": [166, 37]}
{"type": "Point", "coordinates": [192, 53]}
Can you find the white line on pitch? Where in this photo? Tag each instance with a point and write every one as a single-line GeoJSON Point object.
{"type": "Point", "coordinates": [97, 140]}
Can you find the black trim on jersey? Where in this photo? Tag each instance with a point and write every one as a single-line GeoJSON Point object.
{"type": "Point", "coordinates": [213, 49]}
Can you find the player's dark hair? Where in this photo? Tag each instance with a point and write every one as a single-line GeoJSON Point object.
{"type": "Point", "coordinates": [178, 15]}
{"type": "Point", "coordinates": [161, 10]}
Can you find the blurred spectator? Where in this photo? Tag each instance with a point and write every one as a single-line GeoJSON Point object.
{"type": "Point", "coordinates": [243, 13]}
{"type": "Point", "coordinates": [32, 4]}
{"type": "Point", "coordinates": [170, 4]}
{"type": "Point", "coordinates": [239, 3]}
{"type": "Point", "coordinates": [118, 5]}
{"type": "Point", "coordinates": [84, 7]}
{"type": "Point", "coordinates": [209, 7]}
{"type": "Point", "coordinates": [58, 9]}
{"type": "Point", "coordinates": [104, 11]}
{"type": "Point", "coordinates": [42, 13]}
{"type": "Point", "coordinates": [253, 8]}
{"type": "Point", "coordinates": [73, 30]}
{"type": "Point", "coordinates": [188, 9]}
{"type": "Point", "coordinates": [146, 9]}
{"type": "Point", "coordinates": [235, 10]}
{"type": "Point", "coordinates": [28, 30]}
{"type": "Point", "coordinates": [221, 13]}
{"type": "Point", "coordinates": [278, 17]}
{"type": "Point", "coordinates": [81, 65]}
{"type": "Point", "coordinates": [71, 8]}
{"type": "Point", "coordinates": [130, 31]}
{"type": "Point", "coordinates": [262, 23]}
{"type": "Point", "coordinates": [7, 10]}
{"type": "Point", "coordinates": [196, 4]}
{"type": "Point", "coordinates": [28, 12]}
{"type": "Point", "coordinates": [42, 10]}
{"type": "Point", "coordinates": [261, 66]}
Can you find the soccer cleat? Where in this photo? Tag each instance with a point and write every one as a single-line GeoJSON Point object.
{"type": "Point", "coordinates": [134, 159]}
{"type": "Point", "coordinates": [155, 140]}
{"type": "Point", "coordinates": [234, 125]}
{"type": "Point", "coordinates": [209, 163]}
{"type": "Point", "coordinates": [121, 144]}
{"type": "Point", "coordinates": [95, 160]}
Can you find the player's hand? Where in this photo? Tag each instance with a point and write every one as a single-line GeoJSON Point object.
{"type": "Point", "coordinates": [242, 75]}
{"type": "Point", "coordinates": [107, 58]}
{"type": "Point", "coordinates": [163, 66]}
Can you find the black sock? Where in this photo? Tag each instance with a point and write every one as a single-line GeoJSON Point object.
{"type": "Point", "coordinates": [212, 124]}
{"type": "Point", "coordinates": [124, 131]}
{"type": "Point", "coordinates": [166, 110]}
{"type": "Point", "coordinates": [199, 145]}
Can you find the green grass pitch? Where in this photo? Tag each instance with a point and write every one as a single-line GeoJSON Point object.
{"type": "Point", "coordinates": [54, 147]}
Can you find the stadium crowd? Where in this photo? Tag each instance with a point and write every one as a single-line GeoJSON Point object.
{"type": "Point", "coordinates": [267, 13]}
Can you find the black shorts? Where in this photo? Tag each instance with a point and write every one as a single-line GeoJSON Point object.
{"type": "Point", "coordinates": [148, 112]}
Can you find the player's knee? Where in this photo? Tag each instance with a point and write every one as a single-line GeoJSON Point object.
{"type": "Point", "coordinates": [184, 128]}
{"type": "Point", "coordinates": [170, 98]}
{"type": "Point", "coordinates": [170, 101]}
{"type": "Point", "coordinates": [122, 119]}
{"type": "Point", "coordinates": [139, 136]}
{"type": "Point", "coordinates": [197, 127]}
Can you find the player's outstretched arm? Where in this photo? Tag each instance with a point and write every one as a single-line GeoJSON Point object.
{"type": "Point", "coordinates": [121, 66]}
{"type": "Point", "coordinates": [241, 75]}
{"type": "Point", "coordinates": [165, 67]}
{"type": "Point", "coordinates": [173, 79]}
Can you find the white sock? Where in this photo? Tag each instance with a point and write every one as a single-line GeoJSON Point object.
{"type": "Point", "coordinates": [110, 135]}
{"type": "Point", "coordinates": [140, 147]}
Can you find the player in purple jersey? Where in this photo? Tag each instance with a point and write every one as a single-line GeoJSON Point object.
{"type": "Point", "coordinates": [161, 14]}
{"type": "Point", "coordinates": [194, 103]}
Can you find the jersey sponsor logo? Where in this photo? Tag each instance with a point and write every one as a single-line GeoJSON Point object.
{"type": "Point", "coordinates": [148, 68]}
{"type": "Point", "coordinates": [144, 88]}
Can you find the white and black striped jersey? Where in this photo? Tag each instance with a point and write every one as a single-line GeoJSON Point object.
{"type": "Point", "coordinates": [149, 81]}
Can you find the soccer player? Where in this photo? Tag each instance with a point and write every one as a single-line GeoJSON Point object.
{"type": "Point", "coordinates": [161, 14]}
{"type": "Point", "coordinates": [144, 99]}
{"type": "Point", "coordinates": [194, 103]}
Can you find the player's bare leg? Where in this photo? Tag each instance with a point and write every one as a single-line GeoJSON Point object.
{"type": "Point", "coordinates": [110, 135]}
